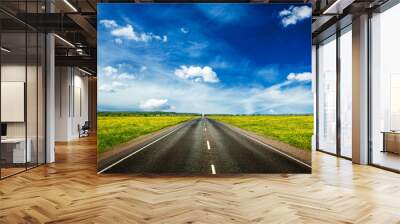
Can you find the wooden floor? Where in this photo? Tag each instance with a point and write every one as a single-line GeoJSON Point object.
{"type": "Point", "coordinates": [70, 191]}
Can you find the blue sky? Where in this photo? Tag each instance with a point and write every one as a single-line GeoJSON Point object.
{"type": "Point", "coordinates": [205, 58]}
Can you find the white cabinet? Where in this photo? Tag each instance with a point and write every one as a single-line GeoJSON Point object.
{"type": "Point", "coordinates": [19, 155]}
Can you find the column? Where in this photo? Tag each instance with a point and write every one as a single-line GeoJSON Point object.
{"type": "Point", "coordinates": [360, 90]}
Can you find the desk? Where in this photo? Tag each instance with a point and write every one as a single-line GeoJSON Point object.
{"type": "Point", "coordinates": [15, 148]}
{"type": "Point", "coordinates": [391, 141]}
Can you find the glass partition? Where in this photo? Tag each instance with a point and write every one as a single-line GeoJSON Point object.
{"type": "Point", "coordinates": [346, 93]}
{"type": "Point", "coordinates": [14, 153]}
{"type": "Point", "coordinates": [22, 88]}
{"type": "Point", "coordinates": [385, 89]}
{"type": "Point", "coordinates": [41, 97]}
{"type": "Point", "coordinates": [31, 99]}
{"type": "Point", "coordinates": [327, 95]}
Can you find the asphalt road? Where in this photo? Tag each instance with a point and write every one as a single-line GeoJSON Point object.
{"type": "Point", "coordinates": [205, 146]}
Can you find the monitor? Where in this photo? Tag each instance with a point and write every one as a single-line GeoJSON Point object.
{"type": "Point", "coordinates": [3, 129]}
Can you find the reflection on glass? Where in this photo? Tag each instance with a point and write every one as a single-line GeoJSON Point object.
{"type": "Point", "coordinates": [395, 102]}
{"type": "Point", "coordinates": [327, 95]}
{"type": "Point", "coordinates": [386, 89]}
{"type": "Point", "coordinates": [346, 94]}
{"type": "Point", "coordinates": [14, 153]}
{"type": "Point", "coordinates": [31, 101]}
{"type": "Point", "coordinates": [41, 99]}
{"type": "Point", "coordinates": [22, 91]}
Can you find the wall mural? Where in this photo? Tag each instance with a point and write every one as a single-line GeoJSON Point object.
{"type": "Point", "coordinates": [204, 89]}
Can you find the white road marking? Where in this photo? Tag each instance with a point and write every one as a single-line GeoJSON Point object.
{"type": "Point", "coordinates": [213, 169]}
{"type": "Point", "coordinates": [208, 145]}
{"type": "Point", "coordinates": [205, 129]}
{"type": "Point", "coordinates": [278, 151]}
{"type": "Point", "coordinates": [133, 153]}
{"type": "Point", "coordinates": [267, 145]}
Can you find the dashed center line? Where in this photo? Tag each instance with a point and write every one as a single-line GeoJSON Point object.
{"type": "Point", "coordinates": [209, 148]}
{"type": "Point", "coordinates": [213, 169]}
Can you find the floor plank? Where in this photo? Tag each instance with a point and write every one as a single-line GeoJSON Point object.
{"type": "Point", "coordinates": [70, 191]}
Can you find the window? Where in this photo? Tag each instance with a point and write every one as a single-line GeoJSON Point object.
{"type": "Point", "coordinates": [327, 95]}
{"type": "Point", "coordinates": [346, 92]}
{"type": "Point", "coordinates": [385, 89]}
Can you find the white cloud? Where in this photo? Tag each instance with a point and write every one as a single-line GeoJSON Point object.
{"type": "Point", "coordinates": [143, 68]}
{"type": "Point", "coordinates": [109, 23]}
{"type": "Point", "coordinates": [126, 76]}
{"type": "Point", "coordinates": [223, 13]}
{"type": "Point", "coordinates": [163, 38]}
{"type": "Point", "coordinates": [118, 40]}
{"type": "Point", "coordinates": [277, 100]}
{"type": "Point", "coordinates": [294, 14]}
{"type": "Point", "coordinates": [109, 71]}
{"type": "Point", "coordinates": [113, 87]}
{"type": "Point", "coordinates": [285, 12]}
{"type": "Point", "coordinates": [193, 97]}
{"type": "Point", "coordinates": [305, 76]}
{"type": "Point", "coordinates": [289, 96]}
{"type": "Point", "coordinates": [197, 73]}
{"type": "Point", "coordinates": [128, 32]}
{"type": "Point", "coordinates": [220, 62]}
{"type": "Point", "coordinates": [195, 49]}
{"type": "Point", "coordinates": [115, 74]}
{"type": "Point", "coordinates": [155, 104]}
{"type": "Point", "coordinates": [184, 30]}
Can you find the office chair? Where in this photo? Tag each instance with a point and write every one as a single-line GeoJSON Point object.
{"type": "Point", "coordinates": [84, 130]}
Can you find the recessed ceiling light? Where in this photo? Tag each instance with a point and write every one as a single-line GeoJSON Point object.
{"type": "Point", "coordinates": [337, 7]}
{"type": "Point", "coordinates": [5, 50]}
{"type": "Point", "coordinates": [70, 5]}
{"type": "Point", "coordinates": [84, 71]}
{"type": "Point", "coordinates": [64, 40]}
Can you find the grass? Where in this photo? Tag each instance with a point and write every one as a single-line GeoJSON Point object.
{"type": "Point", "coordinates": [114, 129]}
{"type": "Point", "coordinates": [291, 129]}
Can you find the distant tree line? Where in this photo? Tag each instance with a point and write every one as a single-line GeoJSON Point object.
{"type": "Point", "coordinates": [142, 114]}
{"type": "Point", "coordinates": [162, 113]}
{"type": "Point", "coordinates": [258, 115]}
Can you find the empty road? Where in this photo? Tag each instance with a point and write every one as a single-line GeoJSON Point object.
{"type": "Point", "coordinates": [205, 146]}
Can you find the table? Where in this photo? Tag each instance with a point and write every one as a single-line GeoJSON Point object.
{"type": "Point", "coordinates": [13, 150]}
{"type": "Point", "coordinates": [391, 141]}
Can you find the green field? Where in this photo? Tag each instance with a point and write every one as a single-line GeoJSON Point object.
{"type": "Point", "coordinates": [116, 128]}
{"type": "Point", "coordinates": [121, 127]}
{"type": "Point", "coordinates": [291, 129]}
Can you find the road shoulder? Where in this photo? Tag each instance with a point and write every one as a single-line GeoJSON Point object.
{"type": "Point", "coordinates": [122, 150]}
{"type": "Point", "coordinates": [300, 154]}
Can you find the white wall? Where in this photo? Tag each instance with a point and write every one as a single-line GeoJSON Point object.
{"type": "Point", "coordinates": [62, 82]}
{"type": "Point", "coordinates": [71, 102]}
